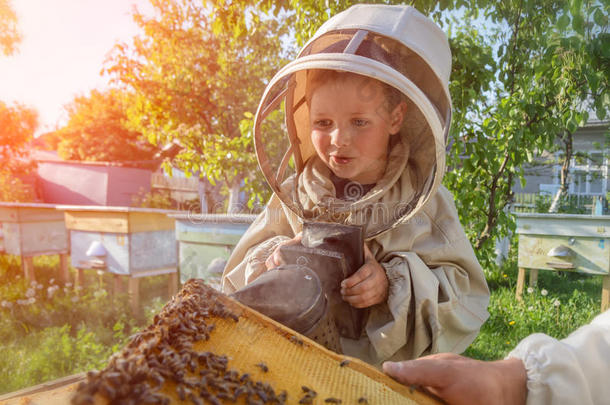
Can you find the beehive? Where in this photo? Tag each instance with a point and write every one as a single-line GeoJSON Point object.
{"type": "Point", "coordinates": [206, 348]}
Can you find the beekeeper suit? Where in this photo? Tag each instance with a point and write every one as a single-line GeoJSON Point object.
{"type": "Point", "coordinates": [437, 296]}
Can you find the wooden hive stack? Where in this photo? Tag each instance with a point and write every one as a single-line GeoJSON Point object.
{"type": "Point", "coordinates": [205, 348]}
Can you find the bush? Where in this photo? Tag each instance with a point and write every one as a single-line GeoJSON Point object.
{"type": "Point", "coordinates": [51, 330]}
{"type": "Point", "coordinates": [152, 199]}
{"type": "Point", "coordinates": [55, 352]}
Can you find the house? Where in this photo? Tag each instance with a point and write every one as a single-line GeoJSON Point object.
{"type": "Point", "coordinates": [588, 167]}
{"type": "Point", "coordinates": [90, 183]}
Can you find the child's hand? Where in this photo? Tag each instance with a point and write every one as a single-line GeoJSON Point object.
{"type": "Point", "coordinates": [368, 286]}
{"type": "Point", "coordinates": [275, 259]}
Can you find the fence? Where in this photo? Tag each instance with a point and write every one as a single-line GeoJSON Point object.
{"type": "Point", "coordinates": [571, 203]}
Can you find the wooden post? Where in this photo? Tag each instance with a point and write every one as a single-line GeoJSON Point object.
{"type": "Point", "coordinates": [27, 263]}
{"type": "Point", "coordinates": [172, 286]}
{"type": "Point", "coordinates": [117, 286]}
{"type": "Point", "coordinates": [533, 277]}
{"type": "Point", "coordinates": [606, 293]}
{"type": "Point", "coordinates": [134, 295]}
{"type": "Point", "coordinates": [79, 279]}
{"type": "Point", "coordinates": [64, 273]}
{"type": "Point", "coordinates": [520, 282]}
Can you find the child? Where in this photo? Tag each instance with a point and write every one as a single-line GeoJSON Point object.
{"type": "Point", "coordinates": [367, 112]}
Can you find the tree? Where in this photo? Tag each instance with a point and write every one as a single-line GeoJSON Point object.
{"type": "Point", "coordinates": [193, 85]}
{"type": "Point", "coordinates": [9, 36]}
{"type": "Point", "coordinates": [96, 131]}
{"type": "Point", "coordinates": [518, 82]}
{"type": "Point", "coordinates": [546, 65]}
{"type": "Point", "coordinates": [17, 123]}
{"type": "Point", "coordinates": [17, 126]}
{"type": "Point", "coordinates": [583, 81]}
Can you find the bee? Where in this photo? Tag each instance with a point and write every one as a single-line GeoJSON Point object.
{"type": "Point", "coordinates": [332, 400]}
{"type": "Point", "coordinates": [262, 396]}
{"type": "Point", "coordinates": [82, 398]}
{"type": "Point", "coordinates": [306, 389]}
{"type": "Point", "coordinates": [181, 392]}
{"type": "Point", "coordinates": [294, 339]}
{"type": "Point", "coordinates": [344, 363]}
{"type": "Point", "coordinates": [239, 391]}
{"type": "Point", "coordinates": [108, 391]}
{"type": "Point", "coordinates": [263, 366]}
{"type": "Point", "coordinates": [309, 395]}
{"type": "Point", "coordinates": [195, 400]}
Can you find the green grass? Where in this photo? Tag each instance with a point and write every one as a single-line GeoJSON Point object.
{"type": "Point", "coordinates": [49, 331]}
{"type": "Point", "coordinates": [559, 304]}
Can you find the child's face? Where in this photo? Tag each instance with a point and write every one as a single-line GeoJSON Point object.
{"type": "Point", "coordinates": [351, 127]}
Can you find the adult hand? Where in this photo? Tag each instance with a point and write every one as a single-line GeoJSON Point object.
{"type": "Point", "coordinates": [275, 258]}
{"type": "Point", "coordinates": [367, 286]}
{"type": "Point", "coordinates": [460, 380]}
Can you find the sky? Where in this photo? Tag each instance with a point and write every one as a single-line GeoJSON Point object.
{"type": "Point", "coordinates": [62, 52]}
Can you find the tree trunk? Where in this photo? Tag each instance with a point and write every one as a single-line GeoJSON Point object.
{"type": "Point", "coordinates": [234, 205]}
{"type": "Point", "coordinates": [204, 204]}
{"type": "Point", "coordinates": [565, 172]}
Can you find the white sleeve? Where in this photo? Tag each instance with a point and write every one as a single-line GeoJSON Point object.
{"type": "Point", "coordinates": [574, 370]}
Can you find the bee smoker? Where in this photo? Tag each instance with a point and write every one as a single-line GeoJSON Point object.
{"type": "Point", "coordinates": [293, 295]}
{"type": "Point", "coordinates": [334, 252]}
{"type": "Point", "coordinates": [304, 293]}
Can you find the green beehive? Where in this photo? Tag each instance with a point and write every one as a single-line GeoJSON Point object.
{"type": "Point", "coordinates": [202, 239]}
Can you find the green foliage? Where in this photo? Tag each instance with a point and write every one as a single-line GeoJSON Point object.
{"type": "Point", "coordinates": [541, 82]}
{"type": "Point", "coordinates": [9, 35]}
{"type": "Point", "coordinates": [308, 15]}
{"type": "Point", "coordinates": [152, 199]}
{"type": "Point", "coordinates": [31, 307]}
{"type": "Point", "coordinates": [568, 204]}
{"type": "Point", "coordinates": [97, 131]}
{"type": "Point", "coordinates": [53, 353]}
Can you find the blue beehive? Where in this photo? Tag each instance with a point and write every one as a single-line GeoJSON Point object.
{"type": "Point", "coordinates": [137, 241]}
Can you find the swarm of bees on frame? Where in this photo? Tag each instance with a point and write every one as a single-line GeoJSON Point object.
{"type": "Point", "coordinates": [163, 353]}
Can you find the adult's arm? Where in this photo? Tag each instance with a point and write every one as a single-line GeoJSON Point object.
{"type": "Point", "coordinates": [540, 370]}
{"type": "Point", "coordinates": [459, 380]}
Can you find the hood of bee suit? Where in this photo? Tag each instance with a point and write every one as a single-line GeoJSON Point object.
{"type": "Point", "coordinates": [396, 45]}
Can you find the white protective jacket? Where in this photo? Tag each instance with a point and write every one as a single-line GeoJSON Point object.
{"type": "Point", "coordinates": [570, 371]}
